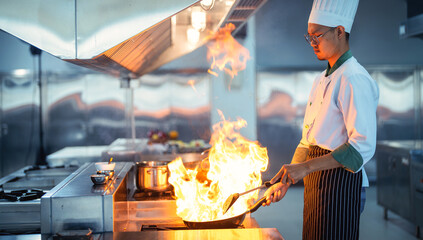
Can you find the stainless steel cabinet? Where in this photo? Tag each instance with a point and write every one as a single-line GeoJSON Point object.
{"type": "Point", "coordinates": [417, 188]}
{"type": "Point", "coordinates": [400, 179]}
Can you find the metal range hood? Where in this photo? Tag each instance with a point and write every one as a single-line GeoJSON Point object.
{"type": "Point", "coordinates": [124, 38]}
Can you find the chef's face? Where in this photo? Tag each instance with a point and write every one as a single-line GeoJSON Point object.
{"type": "Point", "coordinates": [327, 42]}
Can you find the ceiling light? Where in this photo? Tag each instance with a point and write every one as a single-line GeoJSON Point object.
{"type": "Point", "coordinates": [193, 35]}
{"type": "Point", "coordinates": [198, 18]}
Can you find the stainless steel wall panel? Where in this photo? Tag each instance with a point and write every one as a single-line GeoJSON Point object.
{"type": "Point", "coordinates": [88, 108]}
{"type": "Point", "coordinates": [19, 124]}
{"type": "Point", "coordinates": [105, 106]}
{"type": "Point", "coordinates": [174, 101]}
{"type": "Point", "coordinates": [396, 109]}
{"type": "Point", "coordinates": [420, 100]}
{"type": "Point", "coordinates": [281, 100]}
{"type": "Point", "coordinates": [65, 121]}
{"type": "Point", "coordinates": [162, 101]}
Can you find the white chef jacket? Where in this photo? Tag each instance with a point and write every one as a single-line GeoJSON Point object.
{"type": "Point", "coordinates": [342, 109]}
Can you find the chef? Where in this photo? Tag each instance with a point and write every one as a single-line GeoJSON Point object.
{"type": "Point", "coordinates": [339, 131]}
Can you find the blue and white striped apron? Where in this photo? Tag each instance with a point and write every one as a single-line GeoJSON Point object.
{"type": "Point", "coordinates": [332, 201]}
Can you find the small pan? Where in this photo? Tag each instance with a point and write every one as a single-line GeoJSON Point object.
{"type": "Point", "coordinates": [232, 222]}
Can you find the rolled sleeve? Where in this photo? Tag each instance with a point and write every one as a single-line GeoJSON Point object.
{"type": "Point", "coordinates": [349, 157]}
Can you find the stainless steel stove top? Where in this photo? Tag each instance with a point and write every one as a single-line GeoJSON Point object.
{"type": "Point", "coordinates": [44, 178]}
{"type": "Point", "coordinates": [20, 194]}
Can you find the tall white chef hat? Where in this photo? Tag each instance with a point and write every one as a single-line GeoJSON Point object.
{"type": "Point", "coordinates": [334, 13]}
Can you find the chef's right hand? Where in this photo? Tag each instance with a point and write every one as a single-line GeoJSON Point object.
{"type": "Point", "coordinates": [275, 193]}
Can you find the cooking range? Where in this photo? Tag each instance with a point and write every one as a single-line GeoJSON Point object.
{"type": "Point", "coordinates": [118, 209]}
{"type": "Point", "coordinates": [20, 194]}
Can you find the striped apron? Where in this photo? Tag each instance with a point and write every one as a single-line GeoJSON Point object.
{"type": "Point", "coordinates": [331, 202]}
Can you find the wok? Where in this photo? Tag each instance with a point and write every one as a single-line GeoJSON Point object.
{"type": "Point", "coordinates": [232, 222]}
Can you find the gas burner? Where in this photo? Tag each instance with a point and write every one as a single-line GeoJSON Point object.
{"type": "Point", "coordinates": [22, 195]}
{"type": "Point", "coordinates": [153, 195]}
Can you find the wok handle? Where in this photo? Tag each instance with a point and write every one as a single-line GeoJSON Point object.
{"type": "Point", "coordinates": [257, 205]}
{"type": "Point", "coordinates": [268, 184]}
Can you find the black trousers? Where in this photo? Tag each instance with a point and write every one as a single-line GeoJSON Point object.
{"type": "Point", "coordinates": [331, 202]}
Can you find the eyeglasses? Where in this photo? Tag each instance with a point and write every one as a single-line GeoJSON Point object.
{"type": "Point", "coordinates": [315, 39]}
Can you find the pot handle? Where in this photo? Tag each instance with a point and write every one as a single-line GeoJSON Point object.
{"type": "Point", "coordinates": [257, 205]}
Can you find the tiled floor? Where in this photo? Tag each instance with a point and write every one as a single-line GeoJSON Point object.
{"type": "Point", "coordinates": [286, 216]}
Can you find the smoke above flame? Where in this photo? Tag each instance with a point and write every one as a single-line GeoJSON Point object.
{"type": "Point", "coordinates": [234, 165]}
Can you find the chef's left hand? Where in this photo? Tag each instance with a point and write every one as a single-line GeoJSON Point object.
{"type": "Point", "coordinates": [293, 172]}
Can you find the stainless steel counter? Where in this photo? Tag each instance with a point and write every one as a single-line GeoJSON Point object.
{"type": "Point", "coordinates": [75, 155]}
{"type": "Point", "coordinates": [227, 234]}
{"type": "Point", "coordinates": [76, 203]}
{"type": "Point", "coordinates": [400, 179]}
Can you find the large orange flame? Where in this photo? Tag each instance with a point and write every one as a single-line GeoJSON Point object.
{"type": "Point", "coordinates": [223, 49]}
{"type": "Point", "coordinates": [234, 165]}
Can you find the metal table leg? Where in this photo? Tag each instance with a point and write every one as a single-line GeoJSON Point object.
{"type": "Point", "coordinates": [385, 213]}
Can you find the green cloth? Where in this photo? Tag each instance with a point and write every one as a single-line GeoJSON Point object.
{"type": "Point", "coordinates": [348, 156]}
{"type": "Point", "coordinates": [347, 55]}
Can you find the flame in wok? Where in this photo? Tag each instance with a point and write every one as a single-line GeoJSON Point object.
{"type": "Point", "coordinates": [234, 165]}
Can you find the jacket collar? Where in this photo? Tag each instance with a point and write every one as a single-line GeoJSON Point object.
{"type": "Point", "coordinates": [329, 70]}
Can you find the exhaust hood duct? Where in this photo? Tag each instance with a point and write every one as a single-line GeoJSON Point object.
{"type": "Point", "coordinates": [124, 38]}
{"type": "Point", "coordinates": [413, 26]}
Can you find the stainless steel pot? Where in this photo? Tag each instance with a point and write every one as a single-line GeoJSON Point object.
{"type": "Point", "coordinates": [153, 176]}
